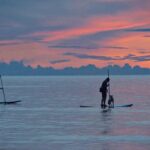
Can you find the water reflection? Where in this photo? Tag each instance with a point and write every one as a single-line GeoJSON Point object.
{"type": "Point", "coordinates": [106, 119]}
{"type": "Point", "coordinates": [3, 110]}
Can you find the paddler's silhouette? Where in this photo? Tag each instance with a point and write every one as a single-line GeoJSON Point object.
{"type": "Point", "coordinates": [104, 90]}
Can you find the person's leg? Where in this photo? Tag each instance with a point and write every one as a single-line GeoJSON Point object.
{"type": "Point", "coordinates": [103, 100]}
{"type": "Point", "coordinates": [105, 96]}
{"type": "Point", "coordinates": [113, 103]}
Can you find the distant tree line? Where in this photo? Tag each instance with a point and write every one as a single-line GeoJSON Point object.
{"type": "Point", "coordinates": [18, 68]}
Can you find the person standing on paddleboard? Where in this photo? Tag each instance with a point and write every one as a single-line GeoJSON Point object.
{"type": "Point", "coordinates": [103, 90]}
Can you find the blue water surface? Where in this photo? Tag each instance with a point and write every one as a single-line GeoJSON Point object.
{"type": "Point", "coordinates": [49, 116]}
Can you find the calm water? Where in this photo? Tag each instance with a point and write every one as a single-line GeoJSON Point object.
{"type": "Point", "coordinates": [49, 116]}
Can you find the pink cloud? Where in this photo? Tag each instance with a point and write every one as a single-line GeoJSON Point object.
{"type": "Point", "coordinates": [35, 53]}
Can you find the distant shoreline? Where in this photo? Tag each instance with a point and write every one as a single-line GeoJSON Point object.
{"type": "Point", "coordinates": [16, 68]}
{"type": "Point", "coordinates": [74, 75]}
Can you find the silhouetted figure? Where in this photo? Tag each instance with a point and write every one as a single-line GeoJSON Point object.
{"type": "Point", "coordinates": [103, 90]}
{"type": "Point", "coordinates": [111, 101]}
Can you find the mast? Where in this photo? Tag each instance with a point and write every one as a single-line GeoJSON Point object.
{"type": "Point", "coordinates": [2, 88]}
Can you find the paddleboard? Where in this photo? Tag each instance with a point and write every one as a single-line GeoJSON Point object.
{"type": "Point", "coordinates": [126, 105]}
{"type": "Point", "coordinates": [106, 109]}
{"type": "Point", "coordinates": [85, 106]}
{"type": "Point", "coordinates": [10, 102]}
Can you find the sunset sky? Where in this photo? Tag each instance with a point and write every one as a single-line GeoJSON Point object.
{"type": "Point", "coordinates": [62, 33]}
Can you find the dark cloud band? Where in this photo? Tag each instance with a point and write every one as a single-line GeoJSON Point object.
{"type": "Point", "coordinates": [106, 58]}
{"type": "Point", "coordinates": [59, 61]}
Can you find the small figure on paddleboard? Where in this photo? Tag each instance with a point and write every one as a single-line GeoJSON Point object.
{"type": "Point", "coordinates": [103, 89]}
{"type": "Point", "coordinates": [111, 101]}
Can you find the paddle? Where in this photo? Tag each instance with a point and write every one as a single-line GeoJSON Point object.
{"type": "Point", "coordinates": [109, 83]}
{"type": "Point", "coordinates": [111, 99]}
